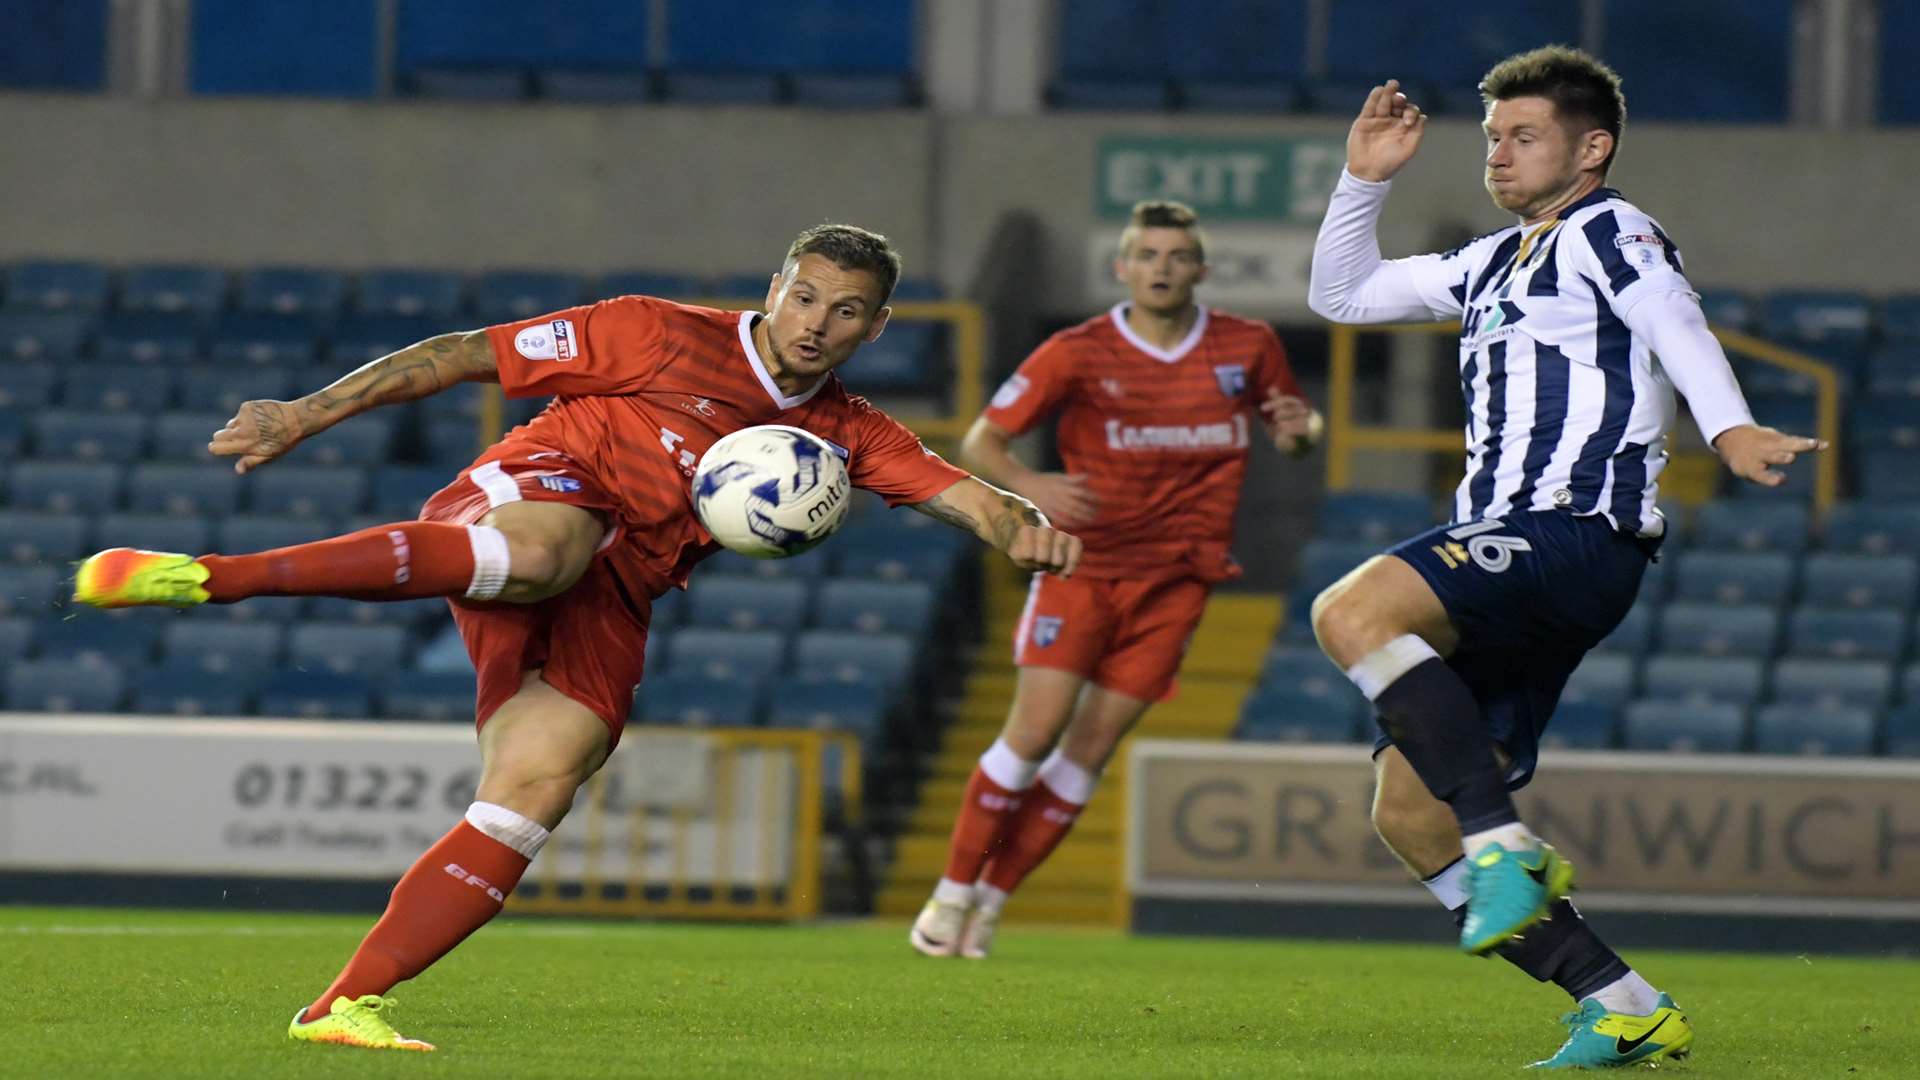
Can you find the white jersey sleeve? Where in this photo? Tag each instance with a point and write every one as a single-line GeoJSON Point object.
{"type": "Point", "coordinates": [1627, 254]}
{"type": "Point", "coordinates": [1351, 283]}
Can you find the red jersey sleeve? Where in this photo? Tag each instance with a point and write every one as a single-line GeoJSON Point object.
{"type": "Point", "coordinates": [612, 347]}
{"type": "Point", "coordinates": [1271, 371]}
{"type": "Point", "coordinates": [890, 461]}
{"type": "Point", "coordinates": [1035, 391]}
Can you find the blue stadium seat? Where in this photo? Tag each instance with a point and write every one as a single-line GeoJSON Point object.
{"type": "Point", "coordinates": [852, 90]}
{"type": "Point", "coordinates": [595, 87]}
{"type": "Point", "coordinates": [343, 647]}
{"type": "Point", "coordinates": [916, 289]}
{"type": "Point", "coordinates": [356, 340]}
{"type": "Point", "coordinates": [1899, 38]}
{"type": "Point", "coordinates": [13, 434]}
{"type": "Point", "coordinates": [1695, 727]}
{"type": "Point", "coordinates": [208, 490]}
{"type": "Point", "coordinates": [1875, 528]}
{"type": "Point", "coordinates": [1901, 735]}
{"type": "Point", "coordinates": [450, 442]}
{"type": "Point", "coordinates": [30, 537]}
{"type": "Point", "coordinates": [182, 436]}
{"type": "Point", "coordinates": [309, 49]}
{"type": "Point", "coordinates": [1730, 577]}
{"type": "Point", "coordinates": [1634, 635]}
{"type": "Point", "coordinates": [1893, 370]}
{"type": "Point", "coordinates": [1833, 579]}
{"type": "Point", "coordinates": [727, 654]}
{"type": "Point", "coordinates": [316, 695]}
{"type": "Point", "coordinates": [1867, 683]}
{"type": "Point", "coordinates": [173, 287]}
{"type": "Point", "coordinates": [506, 295]}
{"type": "Point", "coordinates": [1656, 47]}
{"type": "Point", "coordinates": [728, 603]}
{"type": "Point", "coordinates": [45, 335]}
{"type": "Point", "coordinates": [364, 440]}
{"type": "Point", "coordinates": [1288, 714]}
{"type": "Point", "coordinates": [104, 638]}
{"type": "Point", "coordinates": [1720, 629]}
{"type": "Point", "coordinates": [417, 695]}
{"type": "Point", "coordinates": [1796, 729]}
{"type": "Point", "coordinates": [64, 487]}
{"type": "Point", "coordinates": [748, 36]}
{"type": "Point", "coordinates": [429, 294]}
{"type": "Point", "coordinates": [903, 607]}
{"type": "Point", "coordinates": [16, 638]}
{"type": "Point", "coordinates": [408, 614]}
{"type": "Point", "coordinates": [1694, 679]}
{"type": "Point", "coordinates": [1657, 583]}
{"type": "Point", "coordinates": [307, 490]}
{"type": "Point", "coordinates": [1818, 318]}
{"type": "Point", "coordinates": [260, 610]}
{"type": "Point", "coordinates": [63, 686]}
{"type": "Point", "coordinates": [89, 436]}
{"type": "Point", "coordinates": [694, 699]}
{"type": "Point", "coordinates": [58, 286]}
{"type": "Point", "coordinates": [184, 691]}
{"type": "Point", "coordinates": [650, 283]}
{"type": "Point", "coordinates": [223, 389]}
{"type": "Point", "coordinates": [749, 286]}
{"type": "Point", "coordinates": [147, 388]}
{"type": "Point", "coordinates": [1900, 318]}
{"type": "Point", "coordinates": [399, 491]}
{"type": "Point", "coordinates": [1889, 474]}
{"type": "Point", "coordinates": [1601, 679]}
{"type": "Point", "coordinates": [1744, 526]}
{"type": "Point", "coordinates": [721, 87]}
{"type": "Point", "coordinates": [1293, 665]}
{"type": "Point", "coordinates": [293, 290]}
{"type": "Point", "coordinates": [1323, 562]}
{"type": "Point", "coordinates": [155, 532]}
{"type": "Point", "coordinates": [242, 533]}
{"type": "Point", "coordinates": [151, 337]}
{"type": "Point", "coordinates": [221, 645]}
{"type": "Point", "coordinates": [1847, 635]}
{"type": "Point", "coordinates": [25, 385]}
{"type": "Point", "coordinates": [1884, 423]}
{"type": "Point", "coordinates": [464, 401]}
{"type": "Point", "coordinates": [260, 337]}
{"type": "Point", "coordinates": [1727, 307]}
{"type": "Point", "coordinates": [1377, 518]}
{"type": "Point", "coordinates": [881, 555]}
{"type": "Point", "coordinates": [858, 707]}
{"type": "Point", "coordinates": [1583, 725]}
{"type": "Point", "coordinates": [1112, 55]}
{"type": "Point", "coordinates": [887, 659]}
{"type": "Point", "coordinates": [906, 357]}
{"type": "Point", "coordinates": [586, 34]}
{"type": "Point", "coordinates": [1368, 38]}
{"type": "Point", "coordinates": [28, 590]}
{"type": "Point", "coordinates": [809, 565]}
{"type": "Point", "coordinates": [1238, 54]}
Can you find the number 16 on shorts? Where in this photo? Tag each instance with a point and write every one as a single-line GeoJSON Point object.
{"type": "Point", "coordinates": [1480, 542]}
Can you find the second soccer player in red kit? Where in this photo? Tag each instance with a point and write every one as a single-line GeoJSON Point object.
{"type": "Point", "coordinates": [1158, 401]}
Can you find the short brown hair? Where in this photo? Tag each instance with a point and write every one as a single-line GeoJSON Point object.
{"type": "Point", "coordinates": [849, 247]}
{"type": "Point", "coordinates": [1163, 214]}
{"type": "Point", "coordinates": [1585, 92]}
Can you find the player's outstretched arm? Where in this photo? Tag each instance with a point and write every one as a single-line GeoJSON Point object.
{"type": "Point", "coordinates": [264, 430]}
{"type": "Point", "coordinates": [987, 453]}
{"type": "Point", "coordinates": [1386, 134]}
{"type": "Point", "coordinates": [1008, 522]}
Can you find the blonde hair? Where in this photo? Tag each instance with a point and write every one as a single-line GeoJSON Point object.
{"type": "Point", "coordinates": [1163, 214]}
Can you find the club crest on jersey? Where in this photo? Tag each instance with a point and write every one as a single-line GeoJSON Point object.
{"type": "Point", "coordinates": [1046, 629]}
{"type": "Point", "coordinates": [1113, 388]}
{"type": "Point", "coordinates": [1232, 378]}
{"type": "Point", "coordinates": [551, 340]}
{"type": "Point", "coordinates": [560, 483]}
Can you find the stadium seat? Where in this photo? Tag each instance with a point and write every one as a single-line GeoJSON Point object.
{"type": "Point", "coordinates": [1657, 583]}
{"type": "Point", "coordinates": [808, 565]}
{"type": "Point", "coordinates": [26, 385]}
{"type": "Point", "coordinates": [721, 87]}
{"type": "Point", "coordinates": [63, 686]}
{"type": "Point", "coordinates": [146, 388]}
{"type": "Point", "coordinates": [29, 590]}
{"type": "Point", "coordinates": [363, 440]}
{"type": "Point", "coordinates": [1602, 679]}
{"type": "Point", "coordinates": [1694, 679]}
{"type": "Point", "coordinates": [181, 436]}
{"type": "Point", "coordinates": [64, 487]}
{"type": "Point", "coordinates": [724, 603]}
{"type": "Point", "coordinates": [1112, 54]}
{"type": "Point", "coordinates": [183, 691]}
{"type": "Point", "coordinates": [409, 614]}
{"type": "Point", "coordinates": [1818, 317]}
{"type": "Point", "coordinates": [173, 287]}
{"type": "Point", "coordinates": [467, 84]}
{"type": "Point", "coordinates": [905, 359]}
{"type": "Point", "coordinates": [260, 337]}
{"type": "Point", "coordinates": [506, 295]}
{"type": "Point", "coordinates": [223, 389]}
{"type": "Point", "coordinates": [1889, 474]}
{"type": "Point", "coordinates": [354, 341]}
{"type": "Point", "coordinates": [1744, 80]}
{"type": "Point", "coordinates": [307, 490]}
{"type": "Point", "coordinates": [222, 646]}
{"type": "Point", "coordinates": [1901, 735]}
{"type": "Point", "coordinates": [1323, 562]}
{"type": "Point", "coordinates": [1875, 528]}
{"type": "Point", "coordinates": [1696, 727]}
{"type": "Point", "coordinates": [208, 490]}
{"type": "Point", "coordinates": [27, 536]}
{"type": "Point", "coordinates": [399, 491]}
{"type": "Point", "coordinates": [316, 695]}
{"type": "Point", "coordinates": [260, 609]}
{"type": "Point", "coordinates": [1720, 629]}
{"type": "Point", "coordinates": [1797, 729]}
{"type": "Point", "coordinates": [89, 436]}
{"type": "Point", "coordinates": [1847, 635]}
{"type": "Point", "coordinates": [13, 434]}
{"type": "Point", "coordinates": [430, 294]}
{"type": "Point", "coordinates": [1729, 308]}
{"type": "Point", "coordinates": [1867, 683]}
{"type": "Point", "coordinates": [858, 707]}
{"type": "Point", "coordinates": [1884, 423]}
{"type": "Point", "coordinates": [242, 533]}
{"type": "Point", "coordinates": [854, 90]}
{"type": "Point", "coordinates": [450, 443]}
{"type": "Point", "coordinates": [1634, 636]}
{"type": "Point", "coordinates": [1286, 714]}
{"type": "Point", "coordinates": [16, 638]}
{"type": "Point", "coordinates": [671, 286]}
{"type": "Point", "coordinates": [1583, 725]}
{"type": "Point", "coordinates": [887, 659]}
{"type": "Point", "coordinates": [417, 695]}
{"type": "Point", "coordinates": [155, 532]}
{"type": "Point", "coordinates": [105, 638]}
{"type": "Point", "coordinates": [1238, 55]}
{"type": "Point", "coordinates": [691, 699]}
{"type": "Point", "coordinates": [1900, 318]}
{"type": "Point", "coordinates": [1861, 581]}
{"type": "Point", "coordinates": [1744, 526]}
{"type": "Point", "coordinates": [304, 49]}
{"type": "Point", "coordinates": [45, 335]}
{"type": "Point", "coordinates": [57, 286]}
{"type": "Point", "coordinates": [903, 607]}
{"type": "Point", "coordinates": [1376, 518]}
{"type": "Point", "coordinates": [727, 654]}
{"type": "Point", "coordinates": [1893, 370]}
{"type": "Point", "coordinates": [293, 290]}
{"type": "Point", "coordinates": [1730, 577]}
{"type": "Point", "coordinates": [596, 88]}
{"type": "Point", "coordinates": [348, 647]}
{"type": "Point", "coordinates": [149, 337]}
{"type": "Point", "coordinates": [883, 556]}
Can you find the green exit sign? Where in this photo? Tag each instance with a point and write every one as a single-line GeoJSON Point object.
{"type": "Point", "coordinates": [1271, 179]}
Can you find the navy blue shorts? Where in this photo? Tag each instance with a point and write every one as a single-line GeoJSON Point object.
{"type": "Point", "coordinates": [1528, 594]}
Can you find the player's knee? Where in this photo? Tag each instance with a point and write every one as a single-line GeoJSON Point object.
{"type": "Point", "coordinates": [1337, 620]}
{"type": "Point", "coordinates": [545, 799]}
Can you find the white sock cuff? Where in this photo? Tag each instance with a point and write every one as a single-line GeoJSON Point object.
{"type": "Point", "coordinates": [1068, 780]}
{"type": "Point", "coordinates": [1383, 666]}
{"type": "Point", "coordinates": [522, 834]}
{"type": "Point", "coordinates": [490, 562]}
{"type": "Point", "coordinates": [1006, 768]}
{"type": "Point", "coordinates": [953, 892]}
{"type": "Point", "coordinates": [1449, 886]}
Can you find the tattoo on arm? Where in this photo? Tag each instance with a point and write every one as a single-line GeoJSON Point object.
{"type": "Point", "coordinates": [939, 509]}
{"type": "Point", "coordinates": [1005, 513]}
{"type": "Point", "coordinates": [409, 374]}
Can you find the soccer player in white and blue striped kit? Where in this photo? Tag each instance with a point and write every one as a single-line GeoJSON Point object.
{"type": "Point", "coordinates": [1577, 325]}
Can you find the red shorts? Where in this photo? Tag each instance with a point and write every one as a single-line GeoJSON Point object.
{"type": "Point", "coordinates": [1124, 635]}
{"type": "Point", "coordinates": [590, 642]}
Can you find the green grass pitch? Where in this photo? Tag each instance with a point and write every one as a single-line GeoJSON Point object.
{"type": "Point", "coordinates": [95, 993]}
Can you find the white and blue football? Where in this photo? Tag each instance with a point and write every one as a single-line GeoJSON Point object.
{"type": "Point", "coordinates": [771, 491]}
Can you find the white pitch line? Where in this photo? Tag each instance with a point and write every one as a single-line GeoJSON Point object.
{"type": "Point", "coordinates": [135, 930]}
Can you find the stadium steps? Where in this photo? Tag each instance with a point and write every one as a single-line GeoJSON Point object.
{"type": "Point", "coordinates": [1082, 882]}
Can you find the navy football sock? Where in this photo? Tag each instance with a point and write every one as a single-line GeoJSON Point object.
{"type": "Point", "coordinates": [1432, 717]}
{"type": "Point", "coordinates": [1562, 950]}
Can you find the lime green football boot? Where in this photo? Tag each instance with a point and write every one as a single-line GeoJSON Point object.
{"type": "Point", "coordinates": [126, 577]}
{"type": "Point", "coordinates": [1605, 1040]}
{"type": "Point", "coordinates": [354, 1022]}
{"type": "Point", "coordinates": [1509, 891]}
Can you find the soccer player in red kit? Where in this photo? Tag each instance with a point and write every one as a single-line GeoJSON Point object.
{"type": "Point", "coordinates": [1157, 401]}
{"type": "Point", "coordinates": [552, 545]}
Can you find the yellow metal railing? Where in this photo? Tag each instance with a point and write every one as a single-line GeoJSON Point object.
{"type": "Point", "coordinates": [1345, 436]}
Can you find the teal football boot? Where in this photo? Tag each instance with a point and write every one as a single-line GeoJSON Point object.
{"type": "Point", "coordinates": [1605, 1040]}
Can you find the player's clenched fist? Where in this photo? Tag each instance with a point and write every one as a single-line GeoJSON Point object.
{"type": "Point", "coordinates": [1042, 547]}
{"type": "Point", "coordinates": [1385, 135]}
{"type": "Point", "coordinates": [258, 433]}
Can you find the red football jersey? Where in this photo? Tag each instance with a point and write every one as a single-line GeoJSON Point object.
{"type": "Point", "coordinates": [1162, 435]}
{"type": "Point", "coordinates": [644, 387]}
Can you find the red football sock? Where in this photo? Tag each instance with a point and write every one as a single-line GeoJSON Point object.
{"type": "Point", "coordinates": [1043, 821]}
{"type": "Point", "coordinates": [981, 827]}
{"type": "Point", "coordinates": [453, 890]}
{"type": "Point", "coordinates": [404, 561]}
